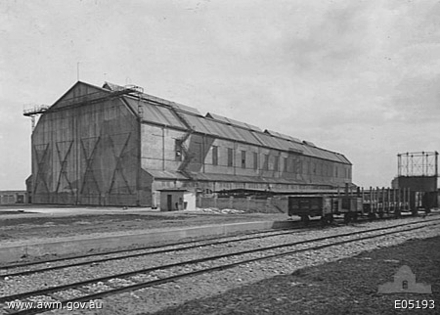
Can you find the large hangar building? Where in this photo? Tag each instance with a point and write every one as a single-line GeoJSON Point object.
{"type": "Point", "coordinates": [115, 145]}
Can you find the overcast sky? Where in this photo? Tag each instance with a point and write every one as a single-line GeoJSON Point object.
{"type": "Point", "coordinates": [358, 77]}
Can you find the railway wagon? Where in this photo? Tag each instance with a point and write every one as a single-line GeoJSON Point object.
{"type": "Point", "coordinates": [307, 206]}
{"type": "Point", "coordinates": [325, 206]}
{"type": "Point", "coordinates": [351, 207]}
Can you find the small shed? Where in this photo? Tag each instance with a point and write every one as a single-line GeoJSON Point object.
{"type": "Point", "coordinates": [172, 199]}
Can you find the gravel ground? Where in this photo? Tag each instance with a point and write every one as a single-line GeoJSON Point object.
{"type": "Point", "coordinates": [347, 286]}
{"type": "Point", "coordinates": [208, 285]}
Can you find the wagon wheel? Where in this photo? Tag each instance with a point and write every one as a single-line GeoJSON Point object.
{"type": "Point", "coordinates": [354, 216]}
{"type": "Point", "coordinates": [347, 217]}
{"type": "Point", "coordinates": [330, 218]}
{"type": "Point", "coordinates": [323, 221]}
{"type": "Point", "coordinates": [371, 216]}
{"type": "Point", "coordinates": [305, 219]}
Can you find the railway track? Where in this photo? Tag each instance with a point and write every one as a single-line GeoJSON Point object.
{"type": "Point", "coordinates": [124, 282]}
{"type": "Point", "coordinates": [22, 269]}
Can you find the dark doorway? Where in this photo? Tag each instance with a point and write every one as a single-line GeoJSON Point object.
{"type": "Point", "coordinates": [169, 202]}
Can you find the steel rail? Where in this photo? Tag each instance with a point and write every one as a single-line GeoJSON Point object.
{"type": "Point", "coordinates": [195, 244]}
{"type": "Point", "coordinates": [297, 225]}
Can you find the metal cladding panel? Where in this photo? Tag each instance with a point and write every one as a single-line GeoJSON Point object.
{"type": "Point", "coordinates": [296, 146]}
{"type": "Point", "coordinates": [315, 152]}
{"type": "Point", "coordinates": [326, 155]}
{"type": "Point", "coordinates": [323, 154]}
{"type": "Point", "coordinates": [308, 150]}
{"type": "Point", "coordinates": [264, 141]}
{"type": "Point", "coordinates": [186, 108]}
{"type": "Point", "coordinates": [309, 143]}
{"type": "Point", "coordinates": [218, 117]}
{"type": "Point", "coordinates": [329, 155]}
{"type": "Point", "coordinates": [282, 143]}
{"type": "Point", "coordinates": [226, 130]}
{"type": "Point", "coordinates": [338, 157]}
{"type": "Point", "coordinates": [156, 114]}
{"type": "Point", "coordinates": [170, 117]}
{"type": "Point", "coordinates": [252, 127]}
{"type": "Point", "coordinates": [268, 141]}
{"type": "Point", "coordinates": [333, 156]}
{"type": "Point", "coordinates": [150, 113]}
{"type": "Point", "coordinates": [216, 128]}
{"type": "Point", "coordinates": [342, 158]}
{"type": "Point", "coordinates": [115, 87]}
{"type": "Point", "coordinates": [234, 134]}
{"type": "Point", "coordinates": [87, 155]}
{"type": "Point", "coordinates": [237, 123]}
{"type": "Point", "coordinates": [233, 122]}
{"type": "Point", "coordinates": [247, 136]}
{"type": "Point", "coordinates": [280, 135]}
{"type": "Point", "coordinates": [212, 127]}
{"type": "Point", "coordinates": [197, 123]}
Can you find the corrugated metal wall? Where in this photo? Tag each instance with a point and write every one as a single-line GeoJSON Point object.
{"type": "Point", "coordinates": [88, 155]}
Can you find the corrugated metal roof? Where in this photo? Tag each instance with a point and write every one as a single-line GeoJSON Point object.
{"type": "Point", "coordinates": [156, 114]}
{"type": "Point", "coordinates": [170, 116]}
{"type": "Point", "coordinates": [324, 154]}
{"type": "Point", "coordinates": [221, 126]}
{"type": "Point", "coordinates": [309, 143]}
{"type": "Point", "coordinates": [181, 107]}
{"type": "Point", "coordinates": [217, 117]}
{"type": "Point", "coordinates": [252, 127]}
{"type": "Point", "coordinates": [280, 135]}
{"type": "Point", "coordinates": [196, 123]}
{"type": "Point", "coordinates": [268, 141]}
{"type": "Point", "coordinates": [248, 136]}
{"type": "Point", "coordinates": [227, 120]}
{"type": "Point", "coordinates": [223, 130]}
{"type": "Point", "coordinates": [186, 108]}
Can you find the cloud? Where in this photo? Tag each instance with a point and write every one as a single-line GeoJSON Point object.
{"type": "Point", "coordinates": [358, 77]}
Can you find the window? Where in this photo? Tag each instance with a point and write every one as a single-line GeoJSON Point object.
{"type": "Point", "coordinates": [198, 153]}
{"type": "Point", "coordinates": [276, 166]}
{"type": "Point", "coordinates": [243, 159]}
{"type": "Point", "coordinates": [178, 149]}
{"type": "Point", "coordinates": [286, 164]}
{"type": "Point", "coordinates": [255, 160]}
{"type": "Point", "coordinates": [230, 157]}
{"type": "Point", "coordinates": [214, 155]}
{"type": "Point", "coordinates": [266, 162]}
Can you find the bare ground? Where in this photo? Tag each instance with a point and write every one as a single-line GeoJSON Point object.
{"type": "Point", "coordinates": [30, 226]}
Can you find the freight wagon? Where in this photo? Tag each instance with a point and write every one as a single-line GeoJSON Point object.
{"type": "Point", "coordinates": [351, 205]}
{"type": "Point", "coordinates": [324, 206]}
